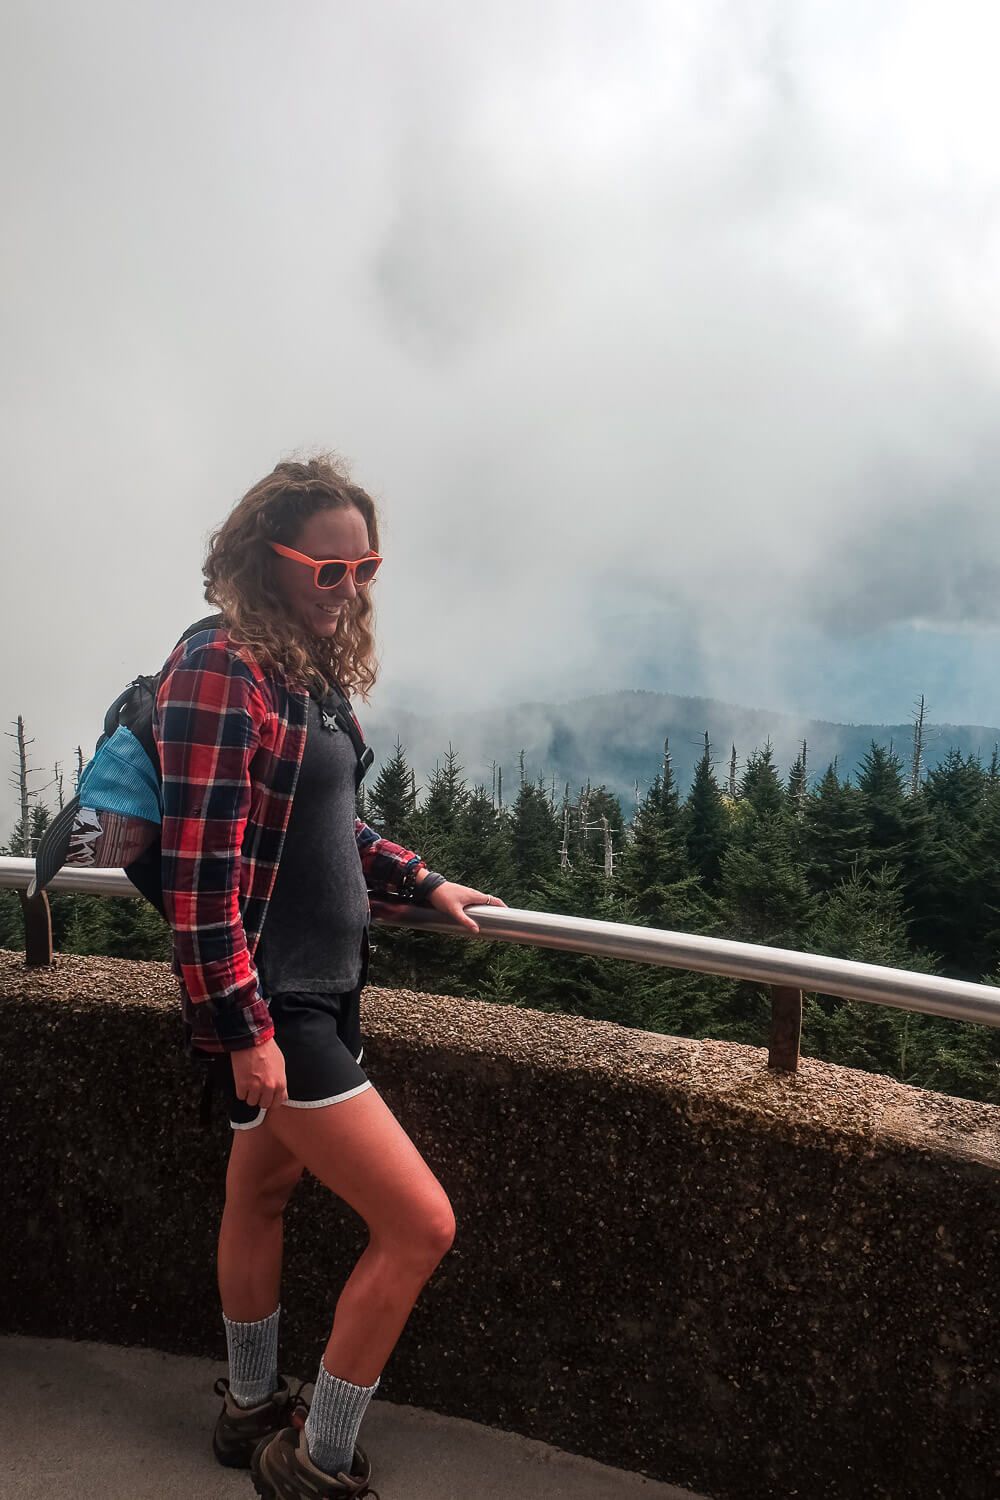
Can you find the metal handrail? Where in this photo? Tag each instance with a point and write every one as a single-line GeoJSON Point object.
{"type": "Point", "coordinates": [786, 971]}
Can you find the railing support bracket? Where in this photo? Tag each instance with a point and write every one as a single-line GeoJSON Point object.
{"type": "Point", "coordinates": [786, 1029]}
{"type": "Point", "coordinates": [37, 929]}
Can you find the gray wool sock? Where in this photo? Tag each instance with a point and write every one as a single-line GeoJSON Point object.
{"type": "Point", "coordinates": [334, 1421]}
{"type": "Point", "coordinates": [253, 1359]}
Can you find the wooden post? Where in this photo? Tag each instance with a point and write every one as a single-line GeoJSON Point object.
{"type": "Point", "coordinates": [786, 1029]}
{"type": "Point", "coordinates": [37, 929]}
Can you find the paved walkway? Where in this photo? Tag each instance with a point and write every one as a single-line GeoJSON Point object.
{"type": "Point", "coordinates": [96, 1422]}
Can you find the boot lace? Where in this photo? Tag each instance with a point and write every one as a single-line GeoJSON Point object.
{"type": "Point", "coordinates": [346, 1486]}
{"type": "Point", "coordinates": [298, 1405]}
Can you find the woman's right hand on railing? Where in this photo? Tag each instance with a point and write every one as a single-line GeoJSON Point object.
{"type": "Point", "coordinates": [259, 1074]}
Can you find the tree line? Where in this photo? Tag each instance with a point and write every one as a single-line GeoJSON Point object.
{"type": "Point", "coordinates": [897, 867]}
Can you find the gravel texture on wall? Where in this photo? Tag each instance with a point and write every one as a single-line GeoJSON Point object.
{"type": "Point", "coordinates": [668, 1259]}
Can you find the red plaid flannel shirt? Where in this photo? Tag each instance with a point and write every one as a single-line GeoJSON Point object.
{"type": "Point", "coordinates": [231, 740]}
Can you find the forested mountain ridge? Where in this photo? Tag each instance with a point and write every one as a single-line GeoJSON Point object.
{"type": "Point", "coordinates": [616, 739]}
{"type": "Point", "coordinates": [899, 866]}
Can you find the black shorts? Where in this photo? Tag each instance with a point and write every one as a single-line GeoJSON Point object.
{"type": "Point", "coordinates": [320, 1038]}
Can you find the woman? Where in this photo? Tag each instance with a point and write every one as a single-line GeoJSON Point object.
{"type": "Point", "coordinates": [259, 821]}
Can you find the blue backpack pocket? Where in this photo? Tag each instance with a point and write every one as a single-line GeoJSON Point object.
{"type": "Point", "coordinates": [120, 779]}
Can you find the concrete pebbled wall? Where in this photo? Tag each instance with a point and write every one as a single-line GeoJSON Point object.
{"type": "Point", "coordinates": [668, 1259]}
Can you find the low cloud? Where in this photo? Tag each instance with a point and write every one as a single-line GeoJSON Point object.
{"type": "Point", "coordinates": [667, 340]}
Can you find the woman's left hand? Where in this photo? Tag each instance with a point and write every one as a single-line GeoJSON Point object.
{"type": "Point", "coordinates": [452, 899]}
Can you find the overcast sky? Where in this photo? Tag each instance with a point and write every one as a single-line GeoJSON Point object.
{"type": "Point", "coordinates": [666, 335]}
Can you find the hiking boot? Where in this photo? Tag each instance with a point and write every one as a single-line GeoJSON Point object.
{"type": "Point", "coordinates": [239, 1429]}
{"type": "Point", "coordinates": [281, 1469]}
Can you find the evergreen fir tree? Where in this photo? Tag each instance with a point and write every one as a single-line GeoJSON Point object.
{"type": "Point", "coordinates": [402, 956]}
{"type": "Point", "coordinates": [880, 784]}
{"type": "Point", "coordinates": [502, 975]}
{"type": "Point", "coordinates": [653, 872]}
{"type": "Point", "coordinates": [484, 853]}
{"type": "Point", "coordinates": [390, 800]}
{"type": "Point", "coordinates": [11, 922]}
{"type": "Point", "coordinates": [435, 826]}
{"type": "Point", "coordinates": [132, 928]}
{"type": "Point", "coordinates": [760, 784]}
{"type": "Point", "coordinates": [535, 837]}
{"type": "Point", "coordinates": [85, 930]}
{"type": "Point", "coordinates": [39, 818]}
{"type": "Point", "coordinates": [763, 893]}
{"type": "Point", "coordinates": [971, 900]}
{"type": "Point", "coordinates": [831, 836]}
{"type": "Point", "coordinates": [942, 879]}
{"type": "Point", "coordinates": [993, 774]}
{"type": "Point", "coordinates": [666, 800]}
{"type": "Point", "coordinates": [864, 919]}
{"type": "Point", "coordinates": [705, 822]}
{"type": "Point", "coordinates": [900, 836]}
{"type": "Point", "coordinates": [581, 984]}
{"type": "Point", "coordinates": [955, 788]}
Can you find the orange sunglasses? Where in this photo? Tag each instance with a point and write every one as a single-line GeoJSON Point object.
{"type": "Point", "coordinates": [333, 570]}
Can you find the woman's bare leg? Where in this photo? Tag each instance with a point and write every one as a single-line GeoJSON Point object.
{"type": "Point", "coordinates": [260, 1179]}
{"type": "Point", "coordinates": [358, 1149]}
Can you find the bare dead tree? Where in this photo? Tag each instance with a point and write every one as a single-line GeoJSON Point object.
{"type": "Point", "coordinates": [59, 783]}
{"type": "Point", "coordinates": [19, 781]}
{"type": "Point", "coordinates": [706, 745]}
{"type": "Point", "coordinates": [609, 853]}
{"type": "Point", "coordinates": [799, 779]}
{"type": "Point", "coordinates": [564, 859]}
{"type": "Point", "coordinates": [79, 768]}
{"type": "Point", "coordinates": [500, 788]}
{"type": "Point", "coordinates": [916, 762]}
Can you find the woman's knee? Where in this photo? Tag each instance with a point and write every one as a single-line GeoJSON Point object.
{"type": "Point", "coordinates": [420, 1238]}
{"type": "Point", "coordinates": [439, 1229]}
{"type": "Point", "coordinates": [359, 1150]}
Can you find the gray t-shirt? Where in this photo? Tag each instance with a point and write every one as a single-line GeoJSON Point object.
{"type": "Point", "coordinates": [312, 935]}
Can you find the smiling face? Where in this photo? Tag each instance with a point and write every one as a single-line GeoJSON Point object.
{"type": "Point", "coordinates": [335, 532]}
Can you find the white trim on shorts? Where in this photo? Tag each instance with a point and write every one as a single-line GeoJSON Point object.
{"type": "Point", "coordinates": [333, 1099]}
{"type": "Point", "coordinates": [309, 1103]}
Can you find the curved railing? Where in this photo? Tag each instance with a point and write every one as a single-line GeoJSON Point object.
{"type": "Point", "coordinates": [787, 973]}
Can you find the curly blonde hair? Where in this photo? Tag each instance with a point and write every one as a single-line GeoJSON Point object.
{"type": "Point", "coordinates": [240, 578]}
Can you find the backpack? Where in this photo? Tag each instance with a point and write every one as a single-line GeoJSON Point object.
{"type": "Point", "coordinates": [115, 817]}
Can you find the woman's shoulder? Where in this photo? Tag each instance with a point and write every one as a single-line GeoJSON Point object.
{"type": "Point", "coordinates": [209, 646]}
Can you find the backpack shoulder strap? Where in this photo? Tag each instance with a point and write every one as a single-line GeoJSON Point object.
{"type": "Point", "coordinates": [210, 622]}
{"type": "Point", "coordinates": [337, 705]}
